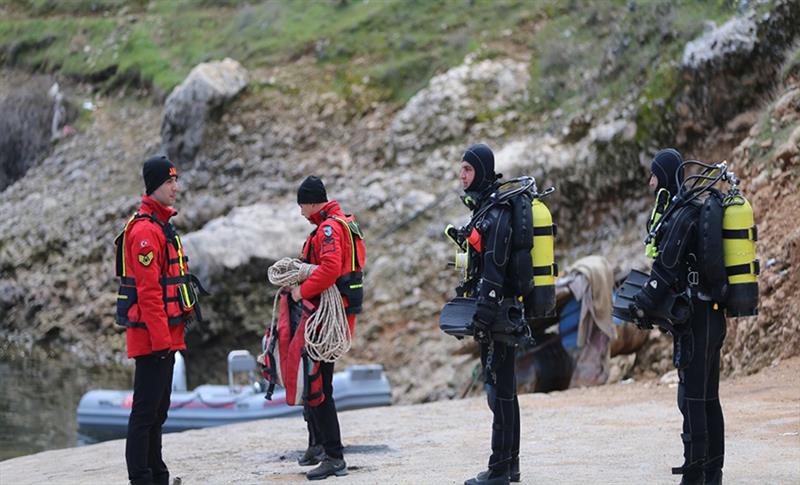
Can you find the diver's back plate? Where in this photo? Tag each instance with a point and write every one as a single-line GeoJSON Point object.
{"type": "Point", "coordinates": [456, 316]}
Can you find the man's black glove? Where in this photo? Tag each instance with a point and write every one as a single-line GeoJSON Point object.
{"type": "Point", "coordinates": [482, 321]}
{"type": "Point", "coordinates": [456, 236]}
{"type": "Point", "coordinates": [161, 354]}
{"type": "Point", "coordinates": [638, 316]}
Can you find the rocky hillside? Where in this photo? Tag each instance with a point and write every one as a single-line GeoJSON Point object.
{"type": "Point", "coordinates": [579, 98]}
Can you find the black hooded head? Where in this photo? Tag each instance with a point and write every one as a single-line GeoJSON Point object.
{"type": "Point", "coordinates": [665, 167]}
{"type": "Point", "coordinates": [481, 158]}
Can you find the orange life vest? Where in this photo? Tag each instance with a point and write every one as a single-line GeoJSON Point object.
{"type": "Point", "coordinates": [179, 287]}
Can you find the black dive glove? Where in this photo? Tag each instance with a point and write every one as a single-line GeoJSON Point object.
{"type": "Point", "coordinates": [482, 321]}
{"type": "Point", "coordinates": [638, 316]}
{"type": "Point", "coordinates": [642, 303]}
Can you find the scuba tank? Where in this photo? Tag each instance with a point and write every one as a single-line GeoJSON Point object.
{"type": "Point", "coordinates": [738, 265]}
{"type": "Point", "coordinates": [739, 237]}
{"type": "Point", "coordinates": [541, 302]}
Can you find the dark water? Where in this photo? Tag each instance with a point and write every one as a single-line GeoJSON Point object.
{"type": "Point", "coordinates": [38, 402]}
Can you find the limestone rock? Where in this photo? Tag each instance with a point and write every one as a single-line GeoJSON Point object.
{"type": "Point", "coordinates": [735, 37]}
{"type": "Point", "coordinates": [206, 89]}
{"type": "Point", "coordinates": [751, 46]}
{"type": "Point", "coordinates": [445, 109]}
{"type": "Point", "coordinates": [259, 232]}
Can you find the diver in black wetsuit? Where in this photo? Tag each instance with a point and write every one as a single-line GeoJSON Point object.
{"type": "Point", "coordinates": [697, 348]}
{"type": "Point", "coordinates": [488, 282]}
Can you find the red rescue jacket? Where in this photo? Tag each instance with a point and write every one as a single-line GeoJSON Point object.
{"type": "Point", "coordinates": [152, 302]}
{"type": "Point", "coordinates": [330, 246]}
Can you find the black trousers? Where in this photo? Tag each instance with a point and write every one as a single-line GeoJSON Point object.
{"type": "Point", "coordinates": [322, 420]}
{"type": "Point", "coordinates": [698, 392]}
{"type": "Point", "coordinates": [501, 393]}
{"type": "Point", "coordinates": [152, 384]}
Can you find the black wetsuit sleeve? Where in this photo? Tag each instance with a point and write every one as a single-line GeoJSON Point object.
{"type": "Point", "coordinates": [496, 242]}
{"type": "Point", "coordinates": [673, 248]}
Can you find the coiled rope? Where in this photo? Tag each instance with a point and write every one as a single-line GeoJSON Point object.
{"type": "Point", "coordinates": [327, 333]}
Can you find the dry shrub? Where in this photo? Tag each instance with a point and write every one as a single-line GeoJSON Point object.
{"type": "Point", "coordinates": [26, 115]}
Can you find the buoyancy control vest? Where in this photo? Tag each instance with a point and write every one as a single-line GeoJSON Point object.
{"type": "Point", "coordinates": [726, 264]}
{"type": "Point", "coordinates": [532, 268]}
{"type": "Point", "coordinates": [284, 360]}
{"type": "Point", "coordinates": [179, 287]}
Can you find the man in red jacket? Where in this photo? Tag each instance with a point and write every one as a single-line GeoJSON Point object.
{"type": "Point", "coordinates": [337, 247]}
{"type": "Point", "coordinates": [155, 302]}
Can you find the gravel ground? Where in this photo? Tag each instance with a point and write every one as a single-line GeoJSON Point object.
{"type": "Point", "coordinates": [617, 434]}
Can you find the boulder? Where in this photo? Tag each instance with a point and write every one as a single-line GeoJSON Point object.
{"type": "Point", "coordinates": [259, 232]}
{"type": "Point", "coordinates": [444, 110]}
{"type": "Point", "coordinates": [204, 92]}
{"type": "Point", "coordinates": [728, 69]}
{"type": "Point", "coordinates": [735, 37]}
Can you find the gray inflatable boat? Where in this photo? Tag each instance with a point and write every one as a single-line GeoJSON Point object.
{"type": "Point", "coordinates": [103, 414]}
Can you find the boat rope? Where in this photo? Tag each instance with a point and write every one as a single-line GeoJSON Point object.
{"type": "Point", "coordinates": [327, 332]}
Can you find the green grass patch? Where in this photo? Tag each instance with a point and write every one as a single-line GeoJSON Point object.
{"type": "Point", "coordinates": [396, 44]}
{"type": "Point", "coordinates": [612, 49]}
{"type": "Point", "coordinates": [582, 51]}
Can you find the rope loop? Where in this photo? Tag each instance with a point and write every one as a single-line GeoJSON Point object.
{"type": "Point", "coordinates": [327, 332]}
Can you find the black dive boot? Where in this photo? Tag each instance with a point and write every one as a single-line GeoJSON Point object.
{"type": "Point", "coordinates": [489, 477]}
{"type": "Point", "coordinates": [692, 475]}
{"type": "Point", "coordinates": [329, 466]}
{"type": "Point", "coordinates": [312, 456]}
{"type": "Point", "coordinates": [714, 478]}
{"type": "Point", "coordinates": [514, 475]}
{"type": "Point", "coordinates": [687, 480]}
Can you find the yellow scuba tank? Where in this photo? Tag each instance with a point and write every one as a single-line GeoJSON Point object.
{"type": "Point", "coordinates": [545, 269]}
{"type": "Point", "coordinates": [739, 237]}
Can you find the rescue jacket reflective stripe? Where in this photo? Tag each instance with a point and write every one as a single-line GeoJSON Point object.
{"type": "Point", "coordinates": [354, 257]}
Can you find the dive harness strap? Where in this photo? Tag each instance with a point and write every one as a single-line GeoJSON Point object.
{"type": "Point", "coordinates": [551, 269]}
{"type": "Point", "coordinates": [551, 230]}
{"type": "Point", "coordinates": [750, 234]}
{"type": "Point", "coordinates": [753, 267]}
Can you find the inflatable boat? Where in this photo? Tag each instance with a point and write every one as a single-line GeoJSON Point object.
{"type": "Point", "coordinates": [103, 414]}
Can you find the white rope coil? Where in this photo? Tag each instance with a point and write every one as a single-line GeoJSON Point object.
{"type": "Point", "coordinates": [327, 332]}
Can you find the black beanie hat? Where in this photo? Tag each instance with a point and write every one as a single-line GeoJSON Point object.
{"type": "Point", "coordinates": [311, 191]}
{"type": "Point", "coordinates": [481, 158]}
{"type": "Point", "coordinates": [665, 166]}
{"type": "Point", "coordinates": [156, 171]}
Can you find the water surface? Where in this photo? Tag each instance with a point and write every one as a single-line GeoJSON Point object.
{"type": "Point", "coordinates": [38, 400]}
